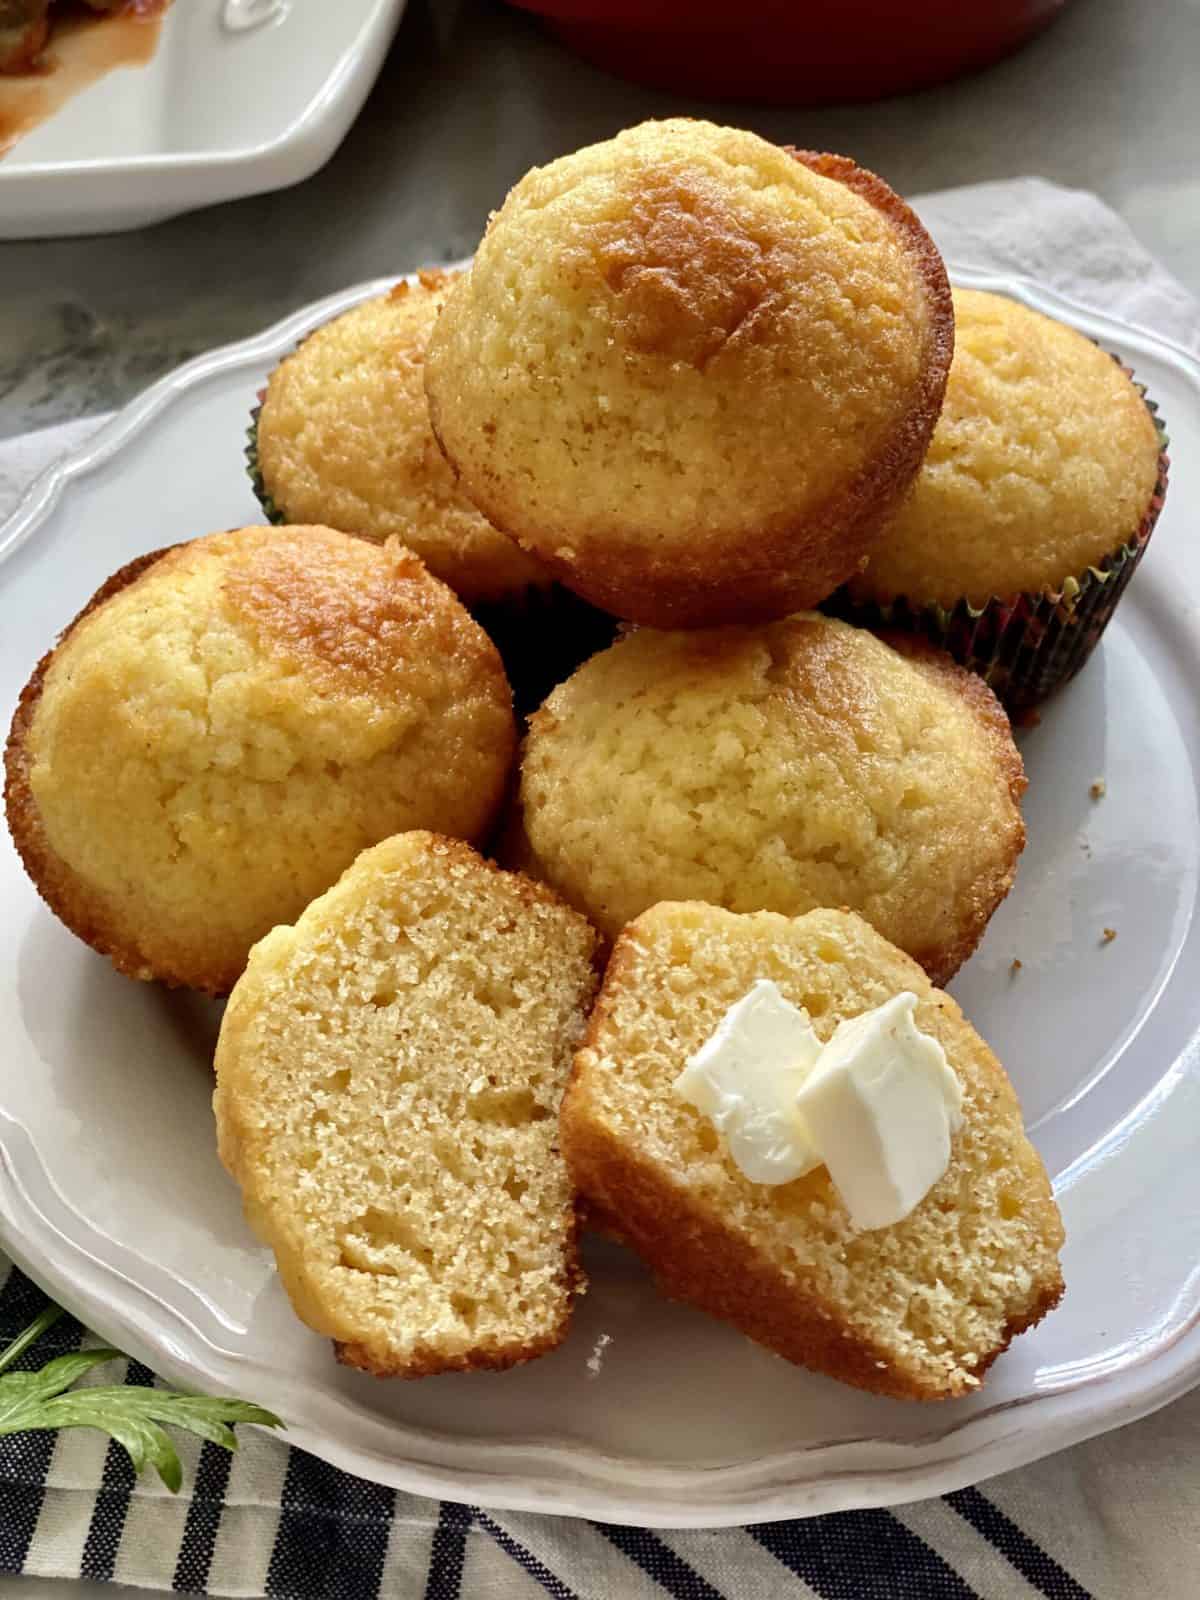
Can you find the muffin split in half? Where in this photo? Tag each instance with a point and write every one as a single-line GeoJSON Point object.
{"type": "Point", "coordinates": [389, 1076]}
{"type": "Point", "coordinates": [919, 1309]}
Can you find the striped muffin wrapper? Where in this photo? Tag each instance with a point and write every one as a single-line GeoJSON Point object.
{"type": "Point", "coordinates": [270, 510]}
{"type": "Point", "coordinates": [273, 513]}
{"type": "Point", "coordinates": [1025, 646]}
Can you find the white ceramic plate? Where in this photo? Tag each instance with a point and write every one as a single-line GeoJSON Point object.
{"type": "Point", "coordinates": [112, 1197]}
{"type": "Point", "coordinates": [241, 96]}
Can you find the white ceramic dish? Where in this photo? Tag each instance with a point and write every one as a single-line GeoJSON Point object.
{"type": "Point", "coordinates": [112, 1197]}
{"type": "Point", "coordinates": [241, 96]}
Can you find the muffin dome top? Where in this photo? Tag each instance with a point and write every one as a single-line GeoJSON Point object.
{"type": "Point", "coordinates": [343, 438]}
{"type": "Point", "coordinates": [1042, 463]}
{"type": "Point", "coordinates": [687, 368]}
{"type": "Point", "coordinates": [231, 723]}
{"type": "Point", "coordinates": [782, 767]}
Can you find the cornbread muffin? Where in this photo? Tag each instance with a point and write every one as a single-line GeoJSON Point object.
{"type": "Point", "coordinates": [343, 438]}
{"type": "Point", "coordinates": [691, 371]}
{"type": "Point", "coordinates": [780, 767]}
{"type": "Point", "coordinates": [918, 1310]}
{"type": "Point", "coordinates": [1043, 461]}
{"type": "Point", "coordinates": [1042, 484]}
{"type": "Point", "coordinates": [229, 723]}
{"type": "Point", "coordinates": [389, 1074]}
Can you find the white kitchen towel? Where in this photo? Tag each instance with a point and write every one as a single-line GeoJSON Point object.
{"type": "Point", "coordinates": [1117, 1518]}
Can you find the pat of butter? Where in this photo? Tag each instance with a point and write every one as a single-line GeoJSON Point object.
{"type": "Point", "coordinates": [877, 1105]}
{"type": "Point", "coordinates": [881, 1105]}
{"type": "Point", "coordinates": [745, 1080]}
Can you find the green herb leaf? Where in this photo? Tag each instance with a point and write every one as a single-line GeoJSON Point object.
{"type": "Point", "coordinates": [32, 1334]}
{"type": "Point", "coordinates": [133, 1416]}
{"type": "Point", "coordinates": [23, 1393]}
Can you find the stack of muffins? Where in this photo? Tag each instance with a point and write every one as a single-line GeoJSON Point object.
{"type": "Point", "coordinates": [692, 387]}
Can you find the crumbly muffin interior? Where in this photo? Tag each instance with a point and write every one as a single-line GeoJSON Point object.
{"type": "Point", "coordinates": [781, 767]}
{"type": "Point", "coordinates": [343, 438]}
{"type": "Point", "coordinates": [389, 1078]}
{"type": "Point", "coordinates": [1042, 463]}
{"type": "Point", "coordinates": [938, 1293]}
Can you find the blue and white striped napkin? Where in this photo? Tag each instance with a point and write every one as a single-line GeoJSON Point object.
{"type": "Point", "coordinates": [1117, 1518]}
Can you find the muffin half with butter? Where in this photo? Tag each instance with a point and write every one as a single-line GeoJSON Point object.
{"type": "Point", "coordinates": [691, 372]}
{"type": "Point", "coordinates": [342, 438]}
{"type": "Point", "coordinates": [1043, 482]}
{"type": "Point", "coordinates": [803, 1137]}
{"type": "Point", "coordinates": [229, 723]}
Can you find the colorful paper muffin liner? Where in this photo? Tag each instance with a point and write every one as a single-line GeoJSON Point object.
{"type": "Point", "coordinates": [1027, 645]}
{"type": "Point", "coordinates": [542, 634]}
{"type": "Point", "coordinates": [270, 510]}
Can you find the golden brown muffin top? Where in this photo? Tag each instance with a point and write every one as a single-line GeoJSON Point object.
{"type": "Point", "coordinates": [685, 363]}
{"type": "Point", "coordinates": [782, 767]}
{"type": "Point", "coordinates": [1042, 463]}
{"type": "Point", "coordinates": [344, 439]}
{"type": "Point", "coordinates": [229, 724]}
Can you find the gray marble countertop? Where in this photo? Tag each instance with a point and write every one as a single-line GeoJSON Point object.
{"type": "Point", "coordinates": [473, 94]}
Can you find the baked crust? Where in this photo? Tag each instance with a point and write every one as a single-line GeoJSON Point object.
{"type": "Point", "coordinates": [942, 961]}
{"type": "Point", "coordinates": [782, 563]}
{"type": "Point", "coordinates": [1045, 462]}
{"type": "Point", "coordinates": [77, 908]}
{"type": "Point", "coordinates": [699, 1259]}
{"type": "Point", "coordinates": [426, 1362]}
{"type": "Point", "coordinates": [615, 863]}
{"type": "Point", "coordinates": [341, 627]}
{"type": "Point", "coordinates": [341, 438]}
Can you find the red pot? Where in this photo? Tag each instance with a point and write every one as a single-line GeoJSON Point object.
{"type": "Point", "coordinates": [790, 53]}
